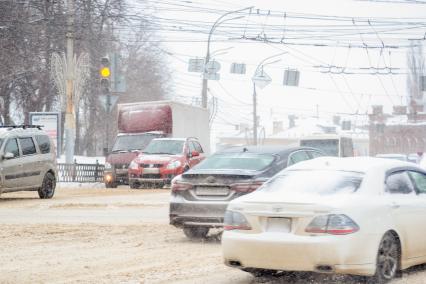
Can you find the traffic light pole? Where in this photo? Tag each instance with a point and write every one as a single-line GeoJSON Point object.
{"type": "Point", "coordinates": [69, 114]}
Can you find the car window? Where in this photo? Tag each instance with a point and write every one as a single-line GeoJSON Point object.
{"type": "Point", "coordinates": [43, 142]}
{"type": "Point", "coordinates": [27, 145]}
{"type": "Point", "coordinates": [315, 154]}
{"type": "Point", "coordinates": [236, 161]}
{"type": "Point", "coordinates": [320, 182]}
{"type": "Point", "coordinates": [399, 183]}
{"type": "Point", "coordinates": [419, 181]}
{"type": "Point", "coordinates": [191, 146]}
{"type": "Point", "coordinates": [198, 147]}
{"type": "Point", "coordinates": [298, 157]}
{"type": "Point", "coordinates": [12, 147]}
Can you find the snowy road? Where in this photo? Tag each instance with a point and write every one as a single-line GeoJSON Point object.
{"type": "Point", "coordinates": [90, 235]}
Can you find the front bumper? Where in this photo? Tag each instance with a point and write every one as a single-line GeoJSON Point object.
{"type": "Point", "coordinates": [152, 175]}
{"type": "Point", "coordinates": [116, 176]}
{"type": "Point", "coordinates": [348, 254]}
{"type": "Point", "coordinates": [196, 213]}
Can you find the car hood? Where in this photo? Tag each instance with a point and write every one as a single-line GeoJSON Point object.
{"type": "Point", "coordinates": [156, 159]}
{"type": "Point", "coordinates": [121, 157]}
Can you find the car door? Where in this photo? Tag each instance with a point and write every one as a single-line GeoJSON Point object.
{"type": "Point", "coordinates": [405, 210]}
{"type": "Point", "coordinates": [11, 169]}
{"type": "Point", "coordinates": [419, 180]}
{"type": "Point", "coordinates": [30, 160]}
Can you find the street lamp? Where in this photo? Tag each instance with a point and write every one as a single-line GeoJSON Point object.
{"type": "Point", "coordinates": [261, 65]}
{"type": "Point", "coordinates": [218, 22]}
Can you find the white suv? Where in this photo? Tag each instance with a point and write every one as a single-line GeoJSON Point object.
{"type": "Point", "coordinates": [27, 160]}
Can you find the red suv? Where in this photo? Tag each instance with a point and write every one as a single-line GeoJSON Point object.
{"type": "Point", "coordinates": [162, 160]}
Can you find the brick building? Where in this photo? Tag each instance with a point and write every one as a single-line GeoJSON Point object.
{"type": "Point", "coordinates": [399, 132]}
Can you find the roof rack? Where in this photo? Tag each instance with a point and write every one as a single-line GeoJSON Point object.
{"type": "Point", "coordinates": [23, 126]}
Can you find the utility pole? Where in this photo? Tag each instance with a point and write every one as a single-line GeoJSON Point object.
{"type": "Point", "coordinates": [69, 114]}
{"type": "Point", "coordinates": [207, 58]}
{"type": "Point", "coordinates": [254, 115]}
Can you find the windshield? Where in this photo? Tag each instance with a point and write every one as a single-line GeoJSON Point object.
{"type": "Point", "coordinates": [171, 147]}
{"type": "Point", "coordinates": [321, 182]}
{"type": "Point", "coordinates": [132, 142]}
{"type": "Point", "coordinates": [237, 161]}
{"type": "Point", "coordinates": [329, 146]}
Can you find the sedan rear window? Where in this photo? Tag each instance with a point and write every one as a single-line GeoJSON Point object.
{"type": "Point", "coordinates": [319, 182]}
{"type": "Point", "coordinates": [236, 161]}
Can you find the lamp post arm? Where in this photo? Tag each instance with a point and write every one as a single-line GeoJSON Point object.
{"type": "Point", "coordinates": [216, 24]}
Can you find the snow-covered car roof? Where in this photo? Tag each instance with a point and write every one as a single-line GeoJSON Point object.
{"type": "Point", "coordinates": [355, 164]}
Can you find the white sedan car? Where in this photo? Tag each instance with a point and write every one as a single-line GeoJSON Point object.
{"type": "Point", "coordinates": [362, 216]}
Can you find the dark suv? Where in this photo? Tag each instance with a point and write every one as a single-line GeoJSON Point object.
{"type": "Point", "coordinates": [200, 196]}
{"type": "Point", "coordinates": [27, 160]}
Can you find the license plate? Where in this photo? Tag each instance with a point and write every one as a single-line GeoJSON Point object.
{"type": "Point", "coordinates": [151, 171]}
{"type": "Point", "coordinates": [212, 191]}
{"type": "Point", "coordinates": [281, 225]}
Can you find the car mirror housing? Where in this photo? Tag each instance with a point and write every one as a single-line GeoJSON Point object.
{"type": "Point", "coordinates": [195, 154]}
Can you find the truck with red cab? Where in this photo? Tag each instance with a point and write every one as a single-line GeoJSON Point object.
{"type": "Point", "coordinates": [139, 123]}
{"type": "Point", "coordinates": [163, 159]}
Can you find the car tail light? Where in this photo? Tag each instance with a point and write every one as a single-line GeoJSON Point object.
{"type": "Point", "coordinates": [180, 186]}
{"type": "Point", "coordinates": [235, 221]}
{"type": "Point", "coordinates": [246, 187]}
{"type": "Point", "coordinates": [332, 224]}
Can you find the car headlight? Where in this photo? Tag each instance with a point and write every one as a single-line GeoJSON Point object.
{"type": "Point", "coordinates": [174, 165]}
{"type": "Point", "coordinates": [108, 166]}
{"type": "Point", "coordinates": [133, 165]}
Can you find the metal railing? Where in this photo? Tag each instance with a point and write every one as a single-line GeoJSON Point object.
{"type": "Point", "coordinates": [80, 172]}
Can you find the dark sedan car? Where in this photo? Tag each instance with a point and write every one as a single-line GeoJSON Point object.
{"type": "Point", "coordinates": [200, 196]}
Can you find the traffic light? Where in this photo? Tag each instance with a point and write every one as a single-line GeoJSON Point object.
{"type": "Point", "coordinates": [105, 73]}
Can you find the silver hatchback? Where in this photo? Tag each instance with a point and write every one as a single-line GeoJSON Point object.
{"type": "Point", "coordinates": [27, 160]}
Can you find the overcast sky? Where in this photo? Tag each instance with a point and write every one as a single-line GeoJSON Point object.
{"type": "Point", "coordinates": [391, 24]}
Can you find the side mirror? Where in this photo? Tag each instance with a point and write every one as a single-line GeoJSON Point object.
{"type": "Point", "coordinates": [8, 156]}
{"type": "Point", "coordinates": [195, 154]}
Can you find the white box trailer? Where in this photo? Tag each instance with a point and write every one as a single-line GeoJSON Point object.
{"type": "Point", "coordinates": [173, 119]}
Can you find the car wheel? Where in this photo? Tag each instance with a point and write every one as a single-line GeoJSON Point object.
{"type": "Point", "coordinates": [134, 185]}
{"type": "Point", "coordinates": [388, 259]}
{"type": "Point", "coordinates": [48, 186]}
{"type": "Point", "coordinates": [111, 185]}
{"type": "Point", "coordinates": [196, 232]}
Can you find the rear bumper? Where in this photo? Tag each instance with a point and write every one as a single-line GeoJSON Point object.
{"type": "Point", "coordinates": [196, 213]}
{"type": "Point", "coordinates": [349, 254]}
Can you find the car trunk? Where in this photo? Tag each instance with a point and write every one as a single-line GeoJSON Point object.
{"type": "Point", "coordinates": [216, 186]}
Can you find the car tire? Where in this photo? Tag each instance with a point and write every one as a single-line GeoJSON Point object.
{"type": "Point", "coordinates": [388, 260]}
{"type": "Point", "coordinates": [134, 185]}
{"type": "Point", "coordinates": [47, 189]}
{"type": "Point", "coordinates": [111, 185]}
{"type": "Point", "coordinates": [194, 233]}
